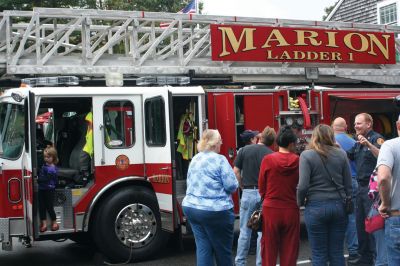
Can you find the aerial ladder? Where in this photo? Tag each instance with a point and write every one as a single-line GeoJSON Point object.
{"type": "Point", "coordinates": [92, 43]}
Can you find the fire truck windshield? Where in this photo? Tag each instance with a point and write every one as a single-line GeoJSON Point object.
{"type": "Point", "coordinates": [11, 130]}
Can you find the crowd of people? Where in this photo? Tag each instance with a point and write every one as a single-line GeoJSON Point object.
{"type": "Point", "coordinates": [332, 176]}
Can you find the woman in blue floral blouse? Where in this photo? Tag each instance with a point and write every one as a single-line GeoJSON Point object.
{"type": "Point", "coordinates": [208, 204]}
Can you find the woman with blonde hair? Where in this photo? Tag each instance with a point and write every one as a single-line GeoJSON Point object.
{"type": "Point", "coordinates": [47, 181]}
{"type": "Point", "coordinates": [208, 205]}
{"type": "Point", "coordinates": [325, 180]}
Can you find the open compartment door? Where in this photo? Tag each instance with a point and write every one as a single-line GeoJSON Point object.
{"type": "Point", "coordinates": [29, 168]}
{"type": "Point", "coordinates": [224, 117]}
{"type": "Point", "coordinates": [157, 151]}
{"type": "Point", "coordinates": [225, 123]}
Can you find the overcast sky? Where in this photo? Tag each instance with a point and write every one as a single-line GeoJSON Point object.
{"type": "Point", "coordinates": [289, 9]}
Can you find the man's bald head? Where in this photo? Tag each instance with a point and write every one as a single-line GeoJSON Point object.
{"type": "Point", "coordinates": [339, 125]}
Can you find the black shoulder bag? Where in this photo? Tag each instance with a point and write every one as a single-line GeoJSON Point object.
{"type": "Point", "coordinates": [347, 202]}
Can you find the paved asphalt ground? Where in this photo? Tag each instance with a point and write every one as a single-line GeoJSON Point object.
{"type": "Point", "coordinates": [68, 253]}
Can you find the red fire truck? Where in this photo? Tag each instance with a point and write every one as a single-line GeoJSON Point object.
{"type": "Point", "coordinates": [129, 192]}
{"type": "Point", "coordinates": [124, 194]}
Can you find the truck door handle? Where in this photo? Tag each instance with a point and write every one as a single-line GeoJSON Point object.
{"type": "Point", "coordinates": [103, 152]}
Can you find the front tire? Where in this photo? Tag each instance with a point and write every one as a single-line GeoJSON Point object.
{"type": "Point", "coordinates": [128, 225]}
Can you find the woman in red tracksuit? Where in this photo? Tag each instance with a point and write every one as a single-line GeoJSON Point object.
{"type": "Point", "coordinates": [277, 182]}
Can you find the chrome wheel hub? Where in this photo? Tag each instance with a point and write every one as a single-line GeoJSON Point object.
{"type": "Point", "coordinates": [135, 225]}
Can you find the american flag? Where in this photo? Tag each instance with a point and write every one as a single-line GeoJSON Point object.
{"type": "Point", "coordinates": [190, 8]}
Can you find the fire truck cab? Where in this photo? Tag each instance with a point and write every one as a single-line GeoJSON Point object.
{"type": "Point", "coordinates": [116, 179]}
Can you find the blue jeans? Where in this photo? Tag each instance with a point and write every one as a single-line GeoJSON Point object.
{"type": "Point", "coordinates": [213, 234]}
{"type": "Point", "coordinates": [351, 231]}
{"type": "Point", "coordinates": [248, 202]}
{"type": "Point", "coordinates": [326, 223]}
{"type": "Point", "coordinates": [392, 236]}
{"type": "Point", "coordinates": [380, 243]}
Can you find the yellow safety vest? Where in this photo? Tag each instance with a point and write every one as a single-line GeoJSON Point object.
{"type": "Point", "coordinates": [89, 135]}
{"type": "Point", "coordinates": [185, 141]}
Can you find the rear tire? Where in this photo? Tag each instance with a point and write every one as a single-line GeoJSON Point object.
{"type": "Point", "coordinates": [128, 225]}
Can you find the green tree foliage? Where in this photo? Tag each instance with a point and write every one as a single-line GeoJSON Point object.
{"type": "Point", "coordinates": [328, 10]}
{"type": "Point", "coordinates": [29, 4]}
{"type": "Point", "coordinates": [145, 5]}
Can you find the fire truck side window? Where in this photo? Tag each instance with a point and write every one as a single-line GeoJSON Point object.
{"type": "Point", "coordinates": [118, 118]}
{"type": "Point", "coordinates": [11, 130]}
{"type": "Point", "coordinates": [155, 122]}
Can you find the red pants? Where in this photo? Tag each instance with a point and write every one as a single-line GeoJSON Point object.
{"type": "Point", "coordinates": [281, 235]}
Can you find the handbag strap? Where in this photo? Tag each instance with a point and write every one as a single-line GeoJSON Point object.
{"type": "Point", "coordinates": [376, 202]}
{"type": "Point", "coordinates": [329, 174]}
{"type": "Point", "coordinates": [259, 204]}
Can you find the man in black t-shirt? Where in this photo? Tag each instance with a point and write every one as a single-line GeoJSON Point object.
{"type": "Point", "coordinates": [246, 168]}
{"type": "Point", "coordinates": [249, 137]}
